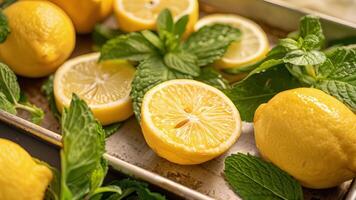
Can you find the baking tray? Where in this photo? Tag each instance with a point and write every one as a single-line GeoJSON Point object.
{"type": "Point", "coordinates": [127, 151]}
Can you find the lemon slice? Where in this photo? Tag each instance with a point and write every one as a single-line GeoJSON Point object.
{"type": "Point", "coordinates": [252, 47]}
{"type": "Point", "coordinates": [189, 122]}
{"type": "Point", "coordinates": [136, 15]}
{"type": "Point", "coordinates": [105, 87]}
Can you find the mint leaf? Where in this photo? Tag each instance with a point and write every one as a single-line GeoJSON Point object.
{"type": "Point", "coordinates": [183, 62]}
{"type": "Point", "coordinates": [8, 84]}
{"type": "Point", "coordinates": [310, 25]}
{"type": "Point", "coordinates": [265, 66]}
{"type": "Point", "coordinates": [289, 44]}
{"type": "Point", "coordinates": [254, 179]}
{"type": "Point", "coordinates": [212, 77]}
{"type": "Point", "coordinates": [300, 57]}
{"type": "Point", "coordinates": [101, 34]}
{"type": "Point", "coordinates": [153, 39]}
{"type": "Point", "coordinates": [97, 176]}
{"type": "Point", "coordinates": [6, 105]}
{"type": "Point", "coordinates": [4, 27]}
{"type": "Point", "coordinates": [311, 42]}
{"type": "Point", "coordinates": [180, 25]}
{"type": "Point", "coordinates": [132, 46]}
{"type": "Point", "coordinates": [83, 147]}
{"type": "Point", "coordinates": [211, 42]}
{"type": "Point", "coordinates": [112, 128]}
{"type": "Point", "coordinates": [149, 73]}
{"type": "Point", "coordinates": [248, 94]}
{"type": "Point", "coordinates": [165, 22]}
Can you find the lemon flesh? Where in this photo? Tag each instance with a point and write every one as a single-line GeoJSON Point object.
{"type": "Point", "coordinates": [308, 134]}
{"type": "Point", "coordinates": [20, 176]}
{"type": "Point", "coordinates": [42, 37]}
{"type": "Point", "coordinates": [105, 86]}
{"type": "Point", "coordinates": [252, 47]}
{"type": "Point", "coordinates": [136, 15]}
{"type": "Point", "coordinates": [189, 122]}
{"type": "Point", "coordinates": [85, 13]}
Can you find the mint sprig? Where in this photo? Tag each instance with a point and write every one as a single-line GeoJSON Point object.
{"type": "Point", "coordinates": [252, 179]}
{"type": "Point", "coordinates": [10, 95]}
{"type": "Point", "coordinates": [164, 56]}
{"type": "Point", "coordinates": [4, 27]}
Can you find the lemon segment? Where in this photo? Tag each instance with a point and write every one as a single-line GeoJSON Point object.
{"type": "Point", "coordinates": [252, 47]}
{"type": "Point", "coordinates": [137, 15]}
{"type": "Point", "coordinates": [40, 40]}
{"type": "Point", "coordinates": [20, 176]}
{"type": "Point", "coordinates": [189, 122]}
{"type": "Point", "coordinates": [105, 86]}
{"type": "Point", "coordinates": [310, 135]}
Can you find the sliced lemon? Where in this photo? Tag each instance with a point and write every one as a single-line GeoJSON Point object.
{"type": "Point", "coordinates": [105, 86]}
{"type": "Point", "coordinates": [252, 47]}
{"type": "Point", "coordinates": [189, 122]}
{"type": "Point", "coordinates": [136, 15]}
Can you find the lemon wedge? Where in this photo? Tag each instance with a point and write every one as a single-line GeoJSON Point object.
{"type": "Point", "coordinates": [136, 15]}
{"type": "Point", "coordinates": [252, 47]}
{"type": "Point", "coordinates": [105, 86]}
{"type": "Point", "coordinates": [189, 122]}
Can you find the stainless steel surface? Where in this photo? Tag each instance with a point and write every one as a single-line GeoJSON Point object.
{"type": "Point", "coordinates": [127, 150]}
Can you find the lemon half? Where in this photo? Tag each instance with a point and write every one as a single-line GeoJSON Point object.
{"type": "Point", "coordinates": [252, 47]}
{"type": "Point", "coordinates": [189, 122]}
{"type": "Point", "coordinates": [105, 86]}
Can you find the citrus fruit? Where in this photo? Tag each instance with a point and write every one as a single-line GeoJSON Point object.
{"type": "Point", "coordinates": [42, 37]}
{"type": "Point", "coordinates": [104, 86]}
{"type": "Point", "coordinates": [252, 47]}
{"type": "Point", "coordinates": [137, 15]}
{"type": "Point", "coordinates": [189, 122]}
{"type": "Point", "coordinates": [310, 135]}
{"type": "Point", "coordinates": [20, 176]}
{"type": "Point", "coordinates": [85, 13]}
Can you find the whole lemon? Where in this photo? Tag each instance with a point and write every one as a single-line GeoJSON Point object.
{"type": "Point", "coordinates": [20, 176]}
{"type": "Point", "coordinates": [309, 134]}
{"type": "Point", "coordinates": [42, 37]}
{"type": "Point", "coordinates": [85, 13]}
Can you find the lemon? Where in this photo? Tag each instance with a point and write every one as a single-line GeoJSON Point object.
{"type": "Point", "coordinates": [308, 134]}
{"type": "Point", "coordinates": [85, 13]}
{"type": "Point", "coordinates": [20, 176]}
{"type": "Point", "coordinates": [105, 86]}
{"type": "Point", "coordinates": [42, 37]}
{"type": "Point", "coordinates": [189, 122]}
{"type": "Point", "coordinates": [137, 15]}
{"type": "Point", "coordinates": [252, 47]}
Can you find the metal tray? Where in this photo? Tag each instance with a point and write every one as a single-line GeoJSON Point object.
{"type": "Point", "coordinates": [127, 151]}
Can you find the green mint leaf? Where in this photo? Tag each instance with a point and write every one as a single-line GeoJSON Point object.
{"type": "Point", "coordinates": [112, 128]}
{"type": "Point", "coordinates": [83, 147]}
{"type": "Point", "coordinates": [311, 25]}
{"type": "Point", "coordinates": [183, 62]}
{"type": "Point", "coordinates": [253, 178]}
{"type": "Point", "coordinates": [289, 44]}
{"type": "Point", "coordinates": [106, 189]}
{"type": "Point", "coordinates": [265, 66]}
{"type": "Point", "coordinates": [311, 42]}
{"type": "Point", "coordinates": [212, 77]}
{"type": "Point", "coordinates": [305, 74]}
{"type": "Point", "coordinates": [337, 76]}
{"type": "Point", "coordinates": [47, 90]}
{"type": "Point", "coordinates": [101, 34]}
{"type": "Point", "coordinates": [132, 46]}
{"type": "Point", "coordinates": [211, 42]}
{"type": "Point", "coordinates": [302, 58]}
{"type": "Point", "coordinates": [165, 22]}
{"type": "Point", "coordinates": [6, 105]}
{"type": "Point", "coordinates": [4, 27]}
{"type": "Point", "coordinates": [248, 94]}
{"type": "Point", "coordinates": [149, 73]}
{"type": "Point", "coordinates": [37, 113]}
{"type": "Point", "coordinates": [97, 176]}
{"type": "Point", "coordinates": [8, 84]}
{"type": "Point", "coordinates": [180, 25]}
{"type": "Point", "coordinates": [141, 190]}
{"type": "Point", "coordinates": [153, 39]}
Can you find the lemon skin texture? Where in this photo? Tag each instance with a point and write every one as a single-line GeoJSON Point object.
{"type": "Point", "coordinates": [20, 176]}
{"type": "Point", "coordinates": [310, 135]}
{"type": "Point", "coordinates": [85, 13]}
{"type": "Point", "coordinates": [42, 37]}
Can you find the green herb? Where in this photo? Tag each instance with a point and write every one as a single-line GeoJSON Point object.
{"type": "Point", "coordinates": [10, 95]}
{"type": "Point", "coordinates": [4, 27]}
{"type": "Point", "coordinates": [252, 179]}
{"type": "Point", "coordinates": [211, 76]}
{"type": "Point", "coordinates": [164, 56]}
{"type": "Point", "coordinates": [259, 88]}
{"type": "Point", "coordinates": [112, 128]}
{"type": "Point", "coordinates": [101, 34]}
